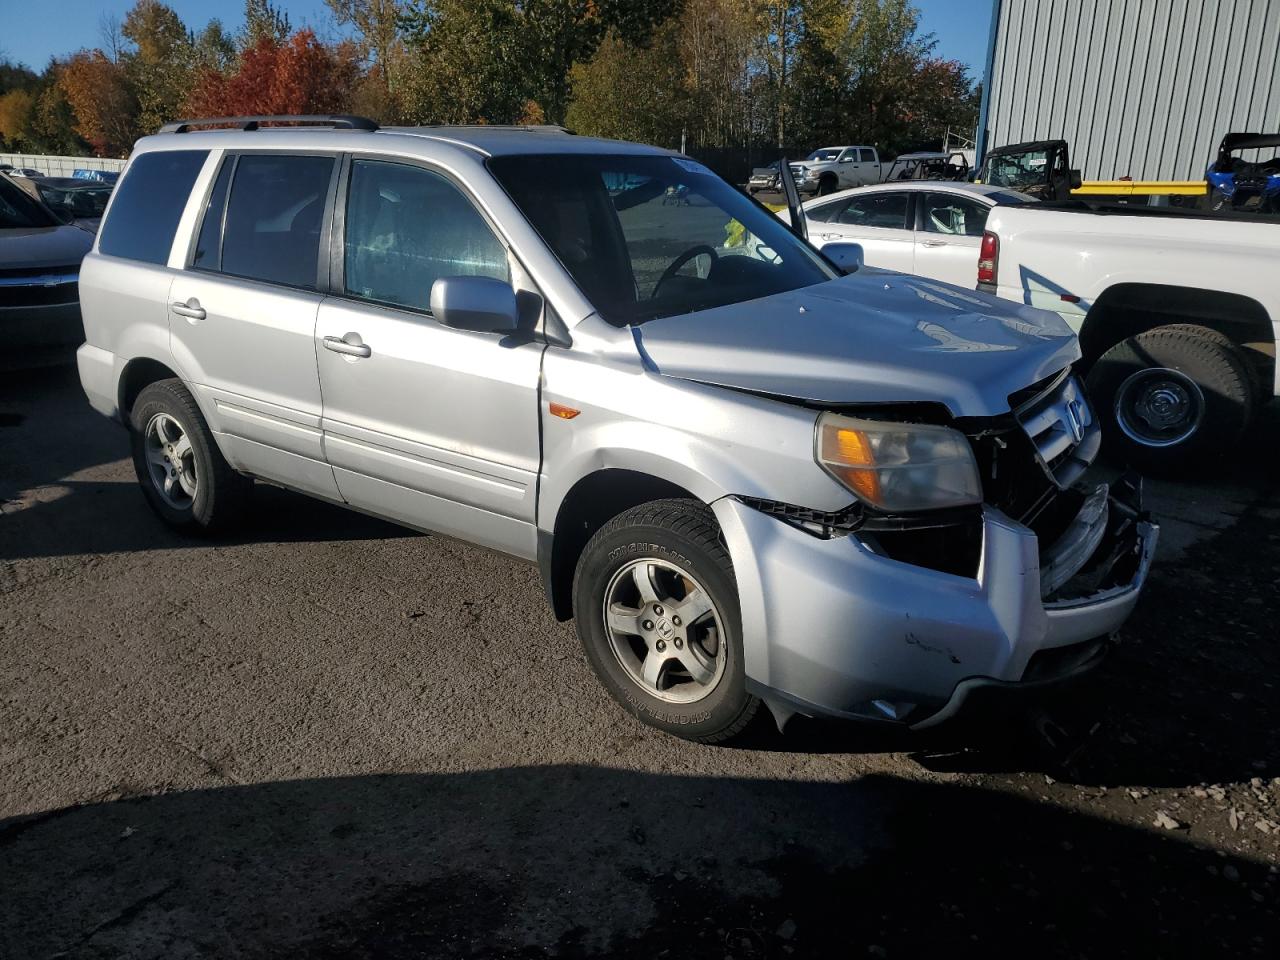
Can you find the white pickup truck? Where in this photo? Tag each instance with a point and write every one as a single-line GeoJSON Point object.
{"type": "Point", "coordinates": [1178, 316]}
{"type": "Point", "coordinates": [829, 169]}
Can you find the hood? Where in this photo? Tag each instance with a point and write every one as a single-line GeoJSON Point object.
{"type": "Point", "coordinates": [873, 337]}
{"type": "Point", "coordinates": [25, 247]}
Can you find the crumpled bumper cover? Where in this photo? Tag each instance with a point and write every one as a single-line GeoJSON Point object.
{"type": "Point", "coordinates": [832, 629]}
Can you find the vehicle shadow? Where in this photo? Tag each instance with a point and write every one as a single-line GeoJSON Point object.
{"type": "Point", "coordinates": [67, 486]}
{"type": "Point", "coordinates": [574, 861]}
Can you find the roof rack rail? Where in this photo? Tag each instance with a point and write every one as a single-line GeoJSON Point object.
{"type": "Point", "coordinates": [337, 121]}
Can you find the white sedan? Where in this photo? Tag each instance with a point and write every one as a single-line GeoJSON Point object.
{"type": "Point", "coordinates": [929, 228]}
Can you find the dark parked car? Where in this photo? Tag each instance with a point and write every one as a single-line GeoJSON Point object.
{"type": "Point", "coordinates": [79, 201]}
{"type": "Point", "coordinates": [39, 280]}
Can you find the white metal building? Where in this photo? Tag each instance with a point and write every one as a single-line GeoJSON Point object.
{"type": "Point", "coordinates": [1139, 88]}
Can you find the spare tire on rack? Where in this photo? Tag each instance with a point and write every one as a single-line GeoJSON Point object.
{"type": "Point", "coordinates": [1175, 398]}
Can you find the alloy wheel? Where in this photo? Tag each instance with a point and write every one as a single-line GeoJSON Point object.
{"type": "Point", "coordinates": [171, 461]}
{"type": "Point", "coordinates": [665, 631]}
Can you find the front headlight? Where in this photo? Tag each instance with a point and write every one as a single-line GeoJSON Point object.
{"type": "Point", "coordinates": [898, 467]}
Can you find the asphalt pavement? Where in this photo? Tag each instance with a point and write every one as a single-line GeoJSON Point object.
{"type": "Point", "coordinates": [329, 737]}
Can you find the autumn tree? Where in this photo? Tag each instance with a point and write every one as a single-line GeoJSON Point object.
{"type": "Point", "coordinates": [102, 100]}
{"type": "Point", "coordinates": [17, 112]}
{"type": "Point", "coordinates": [298, 76]}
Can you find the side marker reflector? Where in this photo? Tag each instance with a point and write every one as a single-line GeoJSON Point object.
{"type": "Point", "coordinates": [563, 412]}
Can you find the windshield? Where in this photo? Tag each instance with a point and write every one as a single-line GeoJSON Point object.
{"type": "Point", "coordinates": [826, 153]}
{"type": "Point", "coordinates": [76, 201]}
{"type": "Point", "coordinates": [18, 210]}
{"type": "Point", "coordinates": [1017, 169]}
{"type": "Point", "coordinates": [655, 236]}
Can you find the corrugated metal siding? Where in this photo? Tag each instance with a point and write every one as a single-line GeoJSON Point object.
{"type": "Point", "coordinates": [1140, 88]}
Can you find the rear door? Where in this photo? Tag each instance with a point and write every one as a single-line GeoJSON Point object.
{"type": "Point", "coordinates": [427, 425]}
{"type": "Point", "coordinates": [243, 313]}
{"type": "Point", "coordinates": [879, 220]}
{"type": "Point", "coordinates": [948, 237]}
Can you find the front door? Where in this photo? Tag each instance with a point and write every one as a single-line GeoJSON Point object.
{"type": "Point", "coordinates": [430, 426]}
{"type": "Point", "coordinates": [243, 314]}
{"type": "Point", "coordinates": [877, 219]}
{"type": "Point", "coordinates": [949, 237]}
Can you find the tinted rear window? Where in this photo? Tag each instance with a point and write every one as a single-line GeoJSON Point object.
{"type": "Point", "coordinates": [148, 204]}
{"type": "Point", "coordinates": [274, 216]}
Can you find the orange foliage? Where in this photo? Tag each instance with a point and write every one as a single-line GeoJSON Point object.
{"type": "Point", "coordinates": [300, 75]}
{"type": "Point", "coordinates": [102, 100]}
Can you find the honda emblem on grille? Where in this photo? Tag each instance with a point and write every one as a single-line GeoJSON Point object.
{"type": "Point", "coordinates": [1075, 420]}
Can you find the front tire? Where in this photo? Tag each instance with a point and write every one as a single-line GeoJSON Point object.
{"type": "Point", "coordinates": [1171, 399]}
{"type": "Point", "coordinates": [656, 609]}
{"type": "Point", "coordinates": [182, 472]}
{"type": "Point", "coordinates": [826, 186]}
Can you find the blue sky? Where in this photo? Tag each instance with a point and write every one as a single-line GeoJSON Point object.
{"type": "Point", "coordinates": [33, 31]}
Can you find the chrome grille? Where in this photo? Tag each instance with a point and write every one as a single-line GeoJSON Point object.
{"type": "Point", "coordinates": [1062, 428]}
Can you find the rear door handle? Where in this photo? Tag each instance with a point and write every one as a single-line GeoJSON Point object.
{"type": "Point", "coordinates": [191, 309]}
{"type": "Point", "coordinates": [350, 344]}
{"type": "Point", "coordinates": [934, 243]}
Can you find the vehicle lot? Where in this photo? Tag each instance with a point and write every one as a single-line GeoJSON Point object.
{"type": "Point", "coordinates": [330, 737]}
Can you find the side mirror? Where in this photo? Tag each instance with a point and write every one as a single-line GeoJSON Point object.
{"type": "Point", "coordinates": [846, 256]}
{"type": "Point", "coordinates": [481, 304]}
{"type": "Point", "coordinates": [846, 159]}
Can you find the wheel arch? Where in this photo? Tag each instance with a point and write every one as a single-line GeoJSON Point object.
{"type": "Point", "coordinates": [590, 503]}
{"type": "Point", "coordinates": [138, 374]}
{"type": "Point", "coordinates": [1125, 310]}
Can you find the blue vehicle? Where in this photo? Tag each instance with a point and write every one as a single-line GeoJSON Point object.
{"type": "Point", "coordinates": [1239, 185]}
{"type": "Point", "coordinates": [103, 176]}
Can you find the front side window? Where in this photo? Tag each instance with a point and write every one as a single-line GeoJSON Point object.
{"type": "Point", "coordinates": [958, 216]}
{"type": "Point", "coordinates": [877, 210]}
{"type": "Point", "coordinates": [407, 227]}
{"type": "Point", "coordinates": [148, 204]}
{"type": "Point", "coordinates": [676, 239]}
{"type": "Point", "coordinates": [274, 216]}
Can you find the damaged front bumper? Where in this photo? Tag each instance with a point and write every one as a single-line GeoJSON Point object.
{"type": "Point", "coordinates": [833, 628]}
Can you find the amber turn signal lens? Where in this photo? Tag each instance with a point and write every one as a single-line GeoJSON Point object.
{"type": "Point", "coordinates": [563, 412]}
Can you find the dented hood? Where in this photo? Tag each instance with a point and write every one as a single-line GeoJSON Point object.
{"type": "Point", "coordinates": [873, 337]}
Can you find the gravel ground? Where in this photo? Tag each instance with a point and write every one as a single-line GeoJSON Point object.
{"type": "Point", "coordinates": [328, 737]}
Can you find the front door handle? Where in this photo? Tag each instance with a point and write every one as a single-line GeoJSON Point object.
{"type": "Point", "coordinates": [350, 344]}
{"type": "Point", "coordinates": [829, 236]}
{"type": "Point", "coordinates": [934, 243]}
{"type": "Point", "coordinates": [190, 309]}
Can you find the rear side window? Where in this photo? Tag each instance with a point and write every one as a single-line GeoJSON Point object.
{"type": "Point", "coordinates": [274, 217]}
{"type": "Point", "coordinates": [148, 204]}
{"type": "Point", "coordinates": [826, 212]}
{"type": "Point", "coordinates": [868, 156]}
{"type": "Point", "coordinates": [877, 210]}
{"type": "Point", "coordinates": [406, 228]}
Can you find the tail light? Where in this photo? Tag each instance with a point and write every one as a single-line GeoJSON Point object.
{"type": "Point", "coordinates": [988, 257]}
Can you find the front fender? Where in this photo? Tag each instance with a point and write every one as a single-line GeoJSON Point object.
{"type": "Point", "coordinates": [711, 441]}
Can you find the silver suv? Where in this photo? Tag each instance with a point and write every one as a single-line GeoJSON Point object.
{"type": "Point", "coordinates": [749, 477]}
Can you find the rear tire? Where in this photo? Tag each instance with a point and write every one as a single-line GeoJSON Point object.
{"type": "Point", "coordinates": [1172, 399]}
{"type": "Point", "coordinates": [635, 579]}
{"type": "Point", "coordinates": [1261, 383]}
{"type": "Point", "coordinates": [182, 472]}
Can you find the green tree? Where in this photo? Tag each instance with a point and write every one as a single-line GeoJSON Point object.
{"type": "Point", "coordinates": [263, 20]}
{"type": "Point", "coordinates": [158, 62]}
{"type": "Point", "coordinates": [17, 113]}
{"type": "Point", "coordinates": [631, 92]}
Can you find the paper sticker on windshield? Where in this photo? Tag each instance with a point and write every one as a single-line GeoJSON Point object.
{"type": "Point", "coordinates": [691, 165]}
{"type": "Point", "coordinates": [1036, 162]}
